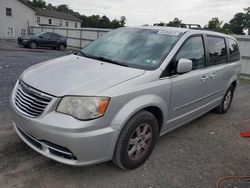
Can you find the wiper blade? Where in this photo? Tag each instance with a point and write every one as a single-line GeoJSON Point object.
{"type": "Point", "coordinates": [82, 54]}
{"type": "Point", "coordinates": [101, 59]}
{"type": "Point", "coordinates": [109, 61]}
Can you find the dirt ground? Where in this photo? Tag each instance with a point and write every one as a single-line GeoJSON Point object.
{"type": "Point", "coordinates": [193, 156]}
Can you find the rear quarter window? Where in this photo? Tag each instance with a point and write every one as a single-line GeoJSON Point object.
{"type": "Point", "coordinates": [217, 50]}
{"type": "Point", "coordinates": [234, 52]}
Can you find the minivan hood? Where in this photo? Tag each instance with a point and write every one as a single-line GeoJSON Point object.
{"type": "Point", "coordinates": [75, 75]}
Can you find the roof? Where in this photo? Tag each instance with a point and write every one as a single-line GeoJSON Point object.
{"type": "Point", "coordinates": [51, 13]}
{"type": "Point", "coordinates": [184, 30]}
{"type": "Point", "coordinates": [56, 14]}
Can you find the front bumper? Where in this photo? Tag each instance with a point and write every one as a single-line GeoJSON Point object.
{"type": "Point", "coordinates": [22, 42]}
{"type": "Point", "coordinates": [65, 139]}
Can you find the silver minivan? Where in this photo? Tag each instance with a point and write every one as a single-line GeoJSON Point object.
{"type": "Point", "coordinates": [115, 97]}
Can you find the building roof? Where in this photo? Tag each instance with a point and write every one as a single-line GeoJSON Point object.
{"type": "Point", "coordinates": [56, 14]}
{"type": "Point", "coordinates": [51, 13]}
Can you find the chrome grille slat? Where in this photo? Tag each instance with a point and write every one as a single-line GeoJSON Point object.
{"type": "Point", "coordinates": [29, 101]}
{"type": "Point", "coordinates": [24, 109]}
{"type": "Point", "coordinates": [27, 107]}
{"type": "Point", "coordinates": [43, 102]}
{"type": "Point", "coordinates": [28, 104]}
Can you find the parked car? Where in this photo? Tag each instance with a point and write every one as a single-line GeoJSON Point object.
{"type": "Point", "coordinates": [113, 99]}
{"type": "Point", "coordinates": [42, 39]}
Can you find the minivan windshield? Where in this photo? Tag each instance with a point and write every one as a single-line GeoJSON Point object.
{"type": "Point", "coordinates": [132, 47]}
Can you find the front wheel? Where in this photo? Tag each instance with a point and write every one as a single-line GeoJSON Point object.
{"type": "Point", "coordinates": [33, 45]}
{"type": "Point", "coordinates": [226, 102]}
{"type": "Point", "coordinates": [136, 141]}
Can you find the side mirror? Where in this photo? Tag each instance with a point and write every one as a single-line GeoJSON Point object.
{"type": "Point", "coordinates": [41, 36]}
{"type": "Point", "coordinates": [184, 65]}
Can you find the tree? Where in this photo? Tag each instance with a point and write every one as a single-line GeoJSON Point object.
{"type": "Point", "coordinates": [247, 18]}
{"type": "Point", "coordinates": [214, 24]}
{"type": "Point", "coordinates": [37, 3]}
{"type": "Point", "coordinates": [51, 7]}
{"type": "Point", "coordinates": [122, 21]}
{"type": "Point", "coordinates": [176, 23]}
{"type": "Point", "coordinates": [63, 8]}
{"type": "Point", "coordinates": [104, 22]}
{"type": "Point", "coordinates": [115, 24]}
{"type": "Point", "coordinates": [238, 23]}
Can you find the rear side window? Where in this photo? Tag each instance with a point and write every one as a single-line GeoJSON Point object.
{"type": "Point", "coordinates": [234, 52]}
{"type": "Point", "coordinates": [193, 49]}
{"type": "Point", "coordinates": [217, 50]}
{"type": "Point", "coordinates": [55, 36]}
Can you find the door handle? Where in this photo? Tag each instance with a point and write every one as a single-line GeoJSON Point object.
{"type": "Point", "coordinates": [204, 78]}
{"type": "Point", "coordinates": [213, 75]}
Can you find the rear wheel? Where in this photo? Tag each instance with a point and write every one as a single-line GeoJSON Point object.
{"type": "Point", "coordinates": [136, 141]}
{"type": "Point", "coordinates": [33, 45]}
{"type": "Point", "coordinates": [61, 47]}
{"type": "Point", "coordinates": [226, 102]}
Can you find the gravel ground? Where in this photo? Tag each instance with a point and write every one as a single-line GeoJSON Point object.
{"type": "Point", "coordinates": [195, 155]}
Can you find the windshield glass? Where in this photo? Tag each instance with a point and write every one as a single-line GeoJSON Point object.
{"type": "Point", "coordinates": [38, 34]}
{"type": "Point", "coordinates": [132, 47]}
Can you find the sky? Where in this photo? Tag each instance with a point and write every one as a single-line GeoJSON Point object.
{"type": "Point", "coordinates": [139, 12]}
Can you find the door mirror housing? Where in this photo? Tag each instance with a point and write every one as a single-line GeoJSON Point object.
{"type": "Point", "coordinates": [184, 65]}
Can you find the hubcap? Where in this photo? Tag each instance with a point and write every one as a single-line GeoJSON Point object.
{"type": "Point", "coordinates": [61, 47]}
{"type": "Point", "coordinates": [33, 45]}
{"type": "Point", "coordinates": [227, 100]}
{"type": "Point", "coordinates": [139, 141]}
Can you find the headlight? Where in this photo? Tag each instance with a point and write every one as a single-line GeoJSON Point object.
{"type": "Point", "coordinates": [84, 108]}
{"type": "Point", "coordinates": [25, 40]}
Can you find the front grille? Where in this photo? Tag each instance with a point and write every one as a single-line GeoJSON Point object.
{"type": "Point", "coordinates": [29, 101]}
{"type": "Point", "coordinates": [54, 149]}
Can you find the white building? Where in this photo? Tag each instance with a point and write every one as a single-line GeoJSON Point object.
{"type": "Point", "coordinates": [16, 16]}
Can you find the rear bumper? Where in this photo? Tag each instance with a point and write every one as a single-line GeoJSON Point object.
{"type": "Point", "coordinates": [68, 146]}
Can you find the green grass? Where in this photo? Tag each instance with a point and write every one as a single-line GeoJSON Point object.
{"type": "Point", "coordinates": [244, 81]}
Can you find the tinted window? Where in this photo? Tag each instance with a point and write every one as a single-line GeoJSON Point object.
{"type": "Point", "coordinates": [217, 51]}
{"type": "Point", "coordinates": [46, 35]}
{"type": "Point", "coordinates": [234, 53]}
{"type": "Point", "coordinates": [55, 36]}
{"type": "Point", "coordinates": [193, 49]}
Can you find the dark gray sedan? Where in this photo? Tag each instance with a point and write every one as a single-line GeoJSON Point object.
{"type": "Point", "coordinates": [42, 39]}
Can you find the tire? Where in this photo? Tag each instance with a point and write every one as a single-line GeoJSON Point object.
{"type": "Point", "coordinates": [226, 102]}
{"type": "Point", "coordinates": [136, 141]}
{"type": "Point", "coordinates": [33, 45]}
{"type": "Point", "coordinates": [61, 47]}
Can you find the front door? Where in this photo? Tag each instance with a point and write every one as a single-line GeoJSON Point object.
{"type": "Point", "coordinates": [45, 40]}
{"type": "Point", "coordinates": [188, 97]}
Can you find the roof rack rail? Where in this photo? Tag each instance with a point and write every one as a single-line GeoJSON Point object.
{"type": "Point", "coordinates": [190, 26]}
{"type": "Point", "coordinates": [193, 26]}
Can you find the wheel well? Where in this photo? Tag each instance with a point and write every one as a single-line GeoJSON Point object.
{"type": "Point", "coordinates": [157, 113]}
{"type": "Point", "coordinates": [62, 44]}
{"type": "Point", "coordinates": [234, 84]}
{"type": "Point", "coordinates": [33, 41]}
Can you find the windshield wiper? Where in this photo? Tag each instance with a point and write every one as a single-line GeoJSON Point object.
{"type": "Point", "coordinates": [82, 54]}
{"type": "Point", "coordinates": [109, 61]}
{"type": "Point", "coordinates": [101, 59]}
